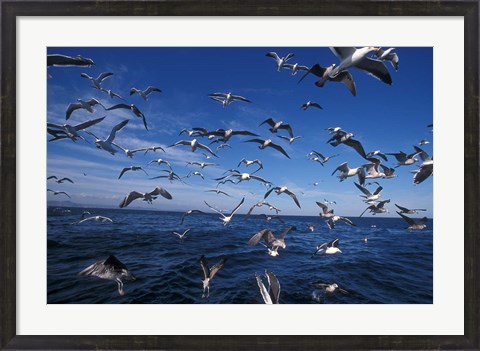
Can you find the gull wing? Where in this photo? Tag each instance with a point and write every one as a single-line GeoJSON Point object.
{"type": "Point", "coordinates": [72, 107]}
{"type": "Point", "coordinates": [288, 128]}
{"type": "Point", "coordinates": [403, 209]}
{"type": "Point", "coordinates": [264, 233]}
{"type": "Point", "coordinates": [241, 98]}
{"type": "Point", "coordinates": [89, 123]}
{"type": "Point", "coordinates": [217, 267]}
{"type": "Point", "coordinates": [343, 167]}
{"type": "Point", "coordinates": [269, 191]}
{"type": "Point", "coordinates": [263, 291]}
{"type": "Point", "coordinates": [423, 155]}
{"type": "Point", "coordinates": [269, 121]}
{"type": "Point", "coordinates": [346, 220]}
{"type": "Point", "coordinates": [259, 178]}
{"type": "Point", "coordinates": [117, 106]}
{"type": "Point", "coordinates": [115, 129]}
{"type": "Point", "coordinates": [382, 203]}
{"type": "Point", "coordinates": [333, 243]}
{"type": "Point", "coordinates": [409, 220]}
{"type": "Point", "coordinates": [343, 52]}
{"type": "Point", "coordinates": [236, 208]}
{"type": "Point", "coordinates": [423, 173]}
{"type": "Point", "coordinates": [293, 196]}
{"type": "Point", "coordinates": [357, 146]}
{"type": "Point", "coordinates": [375, 68]}
{"type": "Point", "coordinates": [123, 171]}
{"type": "Point", "coordinates": [223, 95]}
{"type": "Point", "coordinates": [362, 189]}
{"type": "Point", "coordinates": [279, 148]}
{"type": "Point", "coordinates": [204, 264]}
{"type": "Point", "coordinates": [260, 141]}
{"type": "Point", "coordinates": [161, 191]}
{"type": "Point", "coordinates": [346, 78]}
{"type": "Point", "coordinates": [129, 198]}
{"type": "Point", "coordinates": [379, 189]}
{"type": "Point", "coordinates": [424, 220]}
{"type": "Point", "coordinates": [151, 89]}
{"type": "Point", "coordinates": [243, 132]}
{"type": "Point", "coordinates": [322, 206]}
{"type": "Point", "coordinates": [214, 209]}
{"type": "Point", "coordinates": [205, 147]}
{"type": "Point", "coordinates": [63, 60]}
{"type": "Point", "coordinates": [289, 56]}
{"type": "Point", "coordinates": [320, 248]}
{"type": "Point", "coordinates": [274, 287]}
{"type": "Point", "coordinates": [273, 55]}
{"type": "Point", "coordinates": [285, 232]}
{"type": "Point", "coordinates": [104, 75]}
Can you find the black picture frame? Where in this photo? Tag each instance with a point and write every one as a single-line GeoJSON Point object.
{"type": "Point", "coordinates": [10, 10]}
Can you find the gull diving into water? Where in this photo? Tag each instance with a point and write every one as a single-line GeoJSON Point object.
{"type": "Point", "coordinates": [132, 108]}
{"type": "Point", "coordinates": [272, 243]}
{"type": "Point", "coordinates": [283, 189]}
{"type": "Point", "coordinates": [226, 219]}
{"type": "Point", "coordinates": [85, 104]}
{"type": "Point", "coordinates": [329, 248]}
{"type": "Point", "coordinates": [271, 292]}
{"type": "Point", "coordinates": [107, 143]}
{"type": "Point", "coordinates": [111, 269]}
{"type": "Point", "coordinates": [344, 77]}
{"type": "Point", "coordinates": [194, 144]}
{"type": "Point", "coordinates": [412, 224]}
{"type": "Point", "coordinates": [96, 82]}
{"type": "Point", "coordinates": [59, 60]}
{"type": "Point", "coordinates": [70, 131]}
{"type": "Point", "coordinates": [267, 142]}
{"type": "Point", "coordinates": [209, 273]}
{"type": "Point", "coordinates": [148, 197]}
{"type": "Point", "coordinates": [280, 61]}
{"type": "Point", "coordinates": [144, 93]}
{"type": "Point", "coordinates": [227, 98]}
{"type": "Point", "coordinates": [353, 57]}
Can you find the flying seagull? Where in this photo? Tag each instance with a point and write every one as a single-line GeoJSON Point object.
{"type": "Point", "coordinates": [326, 213]}
{"type": "Point", "coordinates": [59, 60]}
{"type": "Point", "coordinates": [110, 93]}
{"type": "Point", "coordinates": [280, 61]}
{"type": "Point", "coordinates": [101, 219]}
{"type": "Point", "coordinates": [367, 194]}
{"type": "Point", "coordinates": [85, 104]}
{"type": "Point", "coordinates": [329, 248]}
{"type": "Point", "coordinates": [227, 98]}
{"type": "Point", "coordinates": [226, 219]}
{"type": "Point", "coordinates": [218, 192]}
{"type": "Point", "coordinates": [414, 225]}
{"type": "Point", "coordinates": [272, 243]}
{"type": "Point", "coordinates": [321, 159]}
{"type": "Point", "coordinates": [271, 292]}
{"type": "Point", "coordinates": [61, 180]}
{"type": "Point", "coordinates": [194, 144]}
{"type": "Point", "coordinates": [283, 189]}
{"type": "Point", "coordinates": [332, 220]}
{"type": "Point", "coordinates": [409, 211]}
{"type": "Point", "coordinates": [107, 143]}
{"type": "Point", "coordinates": [160, 161]}
{"type": "Point", "coordinates": [132, 108]}
{"type": "Point", "coordinates": [268, 142]}
{"type": "Point", "coordinates": [290, 140]}
{"type": "Point", "coordinates": [250, 162]}
{"type": "Point", "coordinates": [378, 208]}
{"type": "Point", "coordinates": [209, 273]}
{"type": "Point", "coordinates": [111, 269]}
{"type": "Point", "coordinates": [188, 213]}
{"type": "Point", "coordinates": [295, 67]}
{"type": "Point", "coordinates": [183, 235]}
{"type": "Point", "coordinates": [350, 172]}
{"type": "Point", "coordinates": [226, 134]}
{"type": "Point", "coordinates": [344, 77]}
{"type": "Point", "coordinates": [278, 125]}
{"type": "Point", "coordinates": [388, 55]}
{"type": "Point", "coordinates": [353, 57]}
{"type": "Point", "coordinates": [330, 288]}
{"type": "Point", "coordinates": [131, 168]}
{"type": "Point", "coordinates": [144, 93]}
{"type": "Point", "coordinates": [72, 131]}
{"type": "Point", "coordinates": [148, 197]}
{"type": "Point", "coordinates": [404, 159]}
{"type": "Point", "coordinates": [311, 104]}
{"type": "Point", "coordinates": [59, 193]}
{"type": "Point", "coordinates": [96, 82]}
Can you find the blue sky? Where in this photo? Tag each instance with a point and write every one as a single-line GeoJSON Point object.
{"type": "Point", "coordinates": [389, 118]}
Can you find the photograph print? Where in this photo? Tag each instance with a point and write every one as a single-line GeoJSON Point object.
{"type": "Point", "coordinates": [239, 175]}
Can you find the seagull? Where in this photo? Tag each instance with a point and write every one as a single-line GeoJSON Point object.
{"type": "Point", "coordinates": [59, 181]}
{"type": "Point", "coordinates": [278, 125]}
{"type": "Point", "coordinates": [332, 220]}
{"type": "Point", "coordinates": [209, 273]}
{"type": "Point", "coordinates": [107, 143]}
{"type": "Point", "coordinates": [148, 197]}
{"type": "Point", "coordinates": [250, 162]}
{"type": "Point", "coordinates": [325, 212]}
{"type": "Point", "coordinates": [388, 172]}
{"type": "Point", "coordinates": [268, 142]}
{"type": "Point", "coordinates": [270, 293]}
{"type": "Point", "coordinates": [272, 243]}
{"type": "Point", "coordinates": [409, 211]}
{"type": "Point", "coordinates": [96, 81]}
{"type": "Point", "coordinates": [132, 108]}
{"type": "Point", "coordinates": [58, 192]}
{"type": "Point", "coordinates": [218, 192]}
{"type": "Point", "coordinates": [190, 133]}
{"type": "Point", "coordinates": [188, 213]}
{"type": "Point", "coordinates": [414, 225]}
{"type": "Point", "coordinates": [367, 194]}
{"type": "Point", "coordinates": [426, 168]}
{"type": "Point", "coordinates": [85, 104]}
{"type": "Point", "coordinates": [222, 146]}
{"type": "Point", "coordinates": [350, 172]}
{"type": "Point", "coordinates": [329, 248]}
{"type": "Point", "coordinates": [346, 139]}
{"type": "Point", "coordinates": [283, 189]}
{"type": "Point", "coordinates": [128, 152]}
{"type": "Point", "coordinates": [110, 93]}
{"type": "Point", "coordinates": [131, 168]}
{"type": "Point", "coordinates": [378, 208]}
{"type": "Point", "coordinates": [388, 55]}
{"type": "Point", "coordinates": [290, 140]}
{"type": "Point", "coordinates": [320, 158]}
{"type": "Point", "coordinates": [194, 144]}
{"type": "Point", "coordinates": [144, 93]}
{"type": "Point", "coordinates": [423, 142]}
{"type": "Point", "coordinates": [330, 288]}
{"type": "Point", "coordinates": [95, 219]}
{"type": "Point", "coordinates": [194, 174]}
{"type": "Point", "coordinates": [226, 219]}
{"type": "Point", "coordinates": [183, 235]}
{"type": "Point", "coordinates": [280, 60]}
{"type": "Point", "coordinates": [353, 57]}
{"type": "Point", "coordinates": [227, 98]}
{"type": "Point", "coordinates": [295, 67]}
{"type": "Point", "coordinates": [269, 218]}
{"type": "Point", "coordinates": [111, 269]}
{"type": "Point", "coordinates": [243, 176]}
{"type": "Point", "coordinates": [260, 204]}
{"type": "Point", "coordinates": [171, 176]}
{"type": "Point", "coordinates": [59, 60]}
{"type": "Point", "coordinates": [324, 74]}
{"type": "Point", "coordinates": [226, 134]}
{"type": "Point", "coordinates": [404, 159]}
{"type": "Point", "coordinates": [153, 148]}
{"type": "Point", "coordinates": [372, 171]}
{"type": "Point", "coordinates": [72, 131]}
{"type": "Point", "coordinates": [311, 227]}
{"type": "Point", "coordinates": [311, 104]}
{"type": "Point", "coordinates": [376, 153]}
{"type": "Point", "coordinates": [85, 213]}
{"type": "Point", "coordinates": [201, 164]}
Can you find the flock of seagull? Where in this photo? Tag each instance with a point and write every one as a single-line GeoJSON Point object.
{"type": "Point", "coordinates": [371, 60]}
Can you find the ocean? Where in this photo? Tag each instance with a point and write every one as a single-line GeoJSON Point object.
{"type": "Point", "coordinates": [394, 266]}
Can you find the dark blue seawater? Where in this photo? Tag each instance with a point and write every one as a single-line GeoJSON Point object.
{"type": "Point", "coordinates": [395, 266]}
